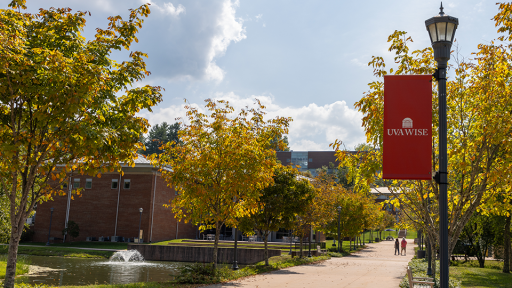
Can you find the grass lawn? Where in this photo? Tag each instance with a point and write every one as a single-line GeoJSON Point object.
{"type": "Point", "coordinates": [88, 244]}
{"type": "Point", "coordinates": [284, 249]}
{"type": "Point", "coordinates": [481, 277]}
{"type": "Point", "coordinates": [58, 251]}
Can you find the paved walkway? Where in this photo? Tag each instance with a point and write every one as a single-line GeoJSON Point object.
{"type": "Point", "coordinates": [375, 266]}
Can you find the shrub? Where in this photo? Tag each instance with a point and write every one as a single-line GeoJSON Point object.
{"type": "Point", "coordinates": [198, 274]}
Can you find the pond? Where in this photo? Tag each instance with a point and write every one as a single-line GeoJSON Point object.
{"type": "Point", "coordinates": [79, 271]}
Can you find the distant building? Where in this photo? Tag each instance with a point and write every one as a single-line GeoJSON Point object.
{"type": "Point", "coordinates": [308, 160]}
{"type": "Point", "coordinates": [109, 206]}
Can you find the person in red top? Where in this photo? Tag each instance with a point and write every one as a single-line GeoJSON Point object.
{"type": "Point", "coordinates": [404, 245]}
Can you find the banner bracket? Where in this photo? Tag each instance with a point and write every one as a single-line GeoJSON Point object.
{"type": "Point", "coordinates": [437, 177]}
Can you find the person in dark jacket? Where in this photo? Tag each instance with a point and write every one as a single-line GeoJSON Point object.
{"type": "Point", "coordinates": [397, 246]}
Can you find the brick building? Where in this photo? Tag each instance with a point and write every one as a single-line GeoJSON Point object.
{"type": "Point", "coordinates": [109, 206]}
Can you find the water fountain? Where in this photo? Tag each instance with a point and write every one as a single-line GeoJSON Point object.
{"type": "Point", "coordinates": [127, 256]}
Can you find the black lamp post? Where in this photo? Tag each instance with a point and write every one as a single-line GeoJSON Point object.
{"type": "Point", "coordinates": [429, 251]}
{"type": "Point", "coordinates": [339, 220]}
{"type": "Point", "coordinates": [235, 257]}
{"type": "Point", "coordinates": [441, 29]}
{"type": "Point", "coordinates": [49, 230]}
{"type": "Point", "coordinates": [310, 236]}
{"type": "Point", "coordinates": [140, 220]}
{"type": "Point", "coordinates": [291, 239]}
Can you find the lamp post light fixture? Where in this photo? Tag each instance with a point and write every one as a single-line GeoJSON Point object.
{"type": "Point", "coordinates": [140, 220]}
{"type": "Point", "coordinates": [441, 29]}
{"type": "Point", "coordinates": [339, 220]}
{"type": "Point", "coordinates": [50, 229]}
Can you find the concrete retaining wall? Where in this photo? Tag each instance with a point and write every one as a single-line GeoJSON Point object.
{"type": "Point", "coordinates": [200, 254]}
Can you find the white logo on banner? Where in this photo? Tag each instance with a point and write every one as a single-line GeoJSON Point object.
{"type": "Point", "coordinates": [407, 123]}
{"type": "Point", "coordinates": [407, 130]}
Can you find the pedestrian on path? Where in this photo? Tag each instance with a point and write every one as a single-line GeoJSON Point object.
{"type": "Point", "coordinates": [404, 245]}
{"type": "Point", "coordinates": [397, 246]}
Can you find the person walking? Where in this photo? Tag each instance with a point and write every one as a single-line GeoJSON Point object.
{"type": "Point", "coordinates": [397, 246]}
{"type": "Point", "coordinates": [404, 245]}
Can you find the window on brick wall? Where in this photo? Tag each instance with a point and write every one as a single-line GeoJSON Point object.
{"type": "Point", "coordinates": [76, 183]}
{"type": "Point", "coordinates": [64, 186]}
{"type": "Point", "coordinates": [114, 183]}
{"type": "Point", "coordinates": [126, 184]}
{"type": "Point", "coordinates": [88, 183]}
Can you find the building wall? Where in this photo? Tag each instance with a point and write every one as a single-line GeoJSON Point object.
{"type": "Point", "coordinates": [164, 224]}
{"type": "Point", "coordinates": [95, 210]}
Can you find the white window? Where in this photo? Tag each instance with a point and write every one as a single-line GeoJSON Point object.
{"type": "Point", "coordinates": [126, 184]}
{"type": "Point", "coordinates": [114, 183]}
{"type": "Point", "coordinates": [76, 183]}
{"type": "Point", "coordinates": [88, 183]}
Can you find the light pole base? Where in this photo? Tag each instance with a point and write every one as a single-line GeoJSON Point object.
{"type": "Point", "coordinates": [235, 266]}
{"type": "Point", "coordinates": [47, 243]}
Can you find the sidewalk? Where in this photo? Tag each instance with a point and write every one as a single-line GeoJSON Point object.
{"type": "Point", "coordinates": [375, 266]}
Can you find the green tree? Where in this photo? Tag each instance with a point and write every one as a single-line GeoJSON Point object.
{"type": "Point", "coordinates": [479, 234]}
{"type": "Point", "coordinates": [279, 204]}
{"type": "Point", "coordinates": [158, 135]}
{"type": "Point", "coordinates": [221, 165]}
{"type": "Point", "coordinates": [64, 104]}
{"type": "Point", "coordinates": [72, 229]}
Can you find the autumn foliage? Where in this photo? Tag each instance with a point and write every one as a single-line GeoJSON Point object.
{"type": "Point", "coordinates": [65, 105]}
{"type": "Point", "coordinates": [222, 163]}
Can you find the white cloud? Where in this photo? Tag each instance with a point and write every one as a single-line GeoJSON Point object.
{"type": "Point", "coordinates": [187, 44]}
{"type": "Point", "coordinates": [167, 8]}
{"type": "Point", "coordinates": [313, 128]}
{"type": "Point", "coordinates": [359, 63]}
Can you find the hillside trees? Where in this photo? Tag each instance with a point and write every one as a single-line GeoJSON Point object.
{"type": "Point", "coordinates": [158, 135]}
{"type": "Point", "coordinates": [479, 126]}
{"type": "Point", "coordinates": [64, 103]}
{"type": "Point", "coordinates": [223, 162]}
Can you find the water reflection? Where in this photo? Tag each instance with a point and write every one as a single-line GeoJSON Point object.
{"type": "Point", "coordinates": [74, 271]}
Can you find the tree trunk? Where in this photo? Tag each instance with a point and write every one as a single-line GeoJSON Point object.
{"type": "Point", "coordinates": [216, 244]}
{"type": "Point", "coordinates": [10, 271]}
{"type": "Point", "coordinates": [480, 255]}
{"type": "Point", "coordinates": [506, 246]}
{"type": "Point", "coordinates": [265, 236]}
{"type": "Point", "coordinates": [433, 255]}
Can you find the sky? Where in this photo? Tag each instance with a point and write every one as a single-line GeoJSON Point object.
{"type": "Point", "coordinates": [303, 59]}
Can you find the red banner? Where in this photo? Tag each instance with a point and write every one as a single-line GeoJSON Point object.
{"type": "Point", "coordinates": [407, 146]}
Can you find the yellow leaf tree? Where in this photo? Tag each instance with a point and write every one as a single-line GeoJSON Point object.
{"type": "Point", "coordinates": [221, 164]}
{"type": "Point", "coordinates": [64, 104]}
